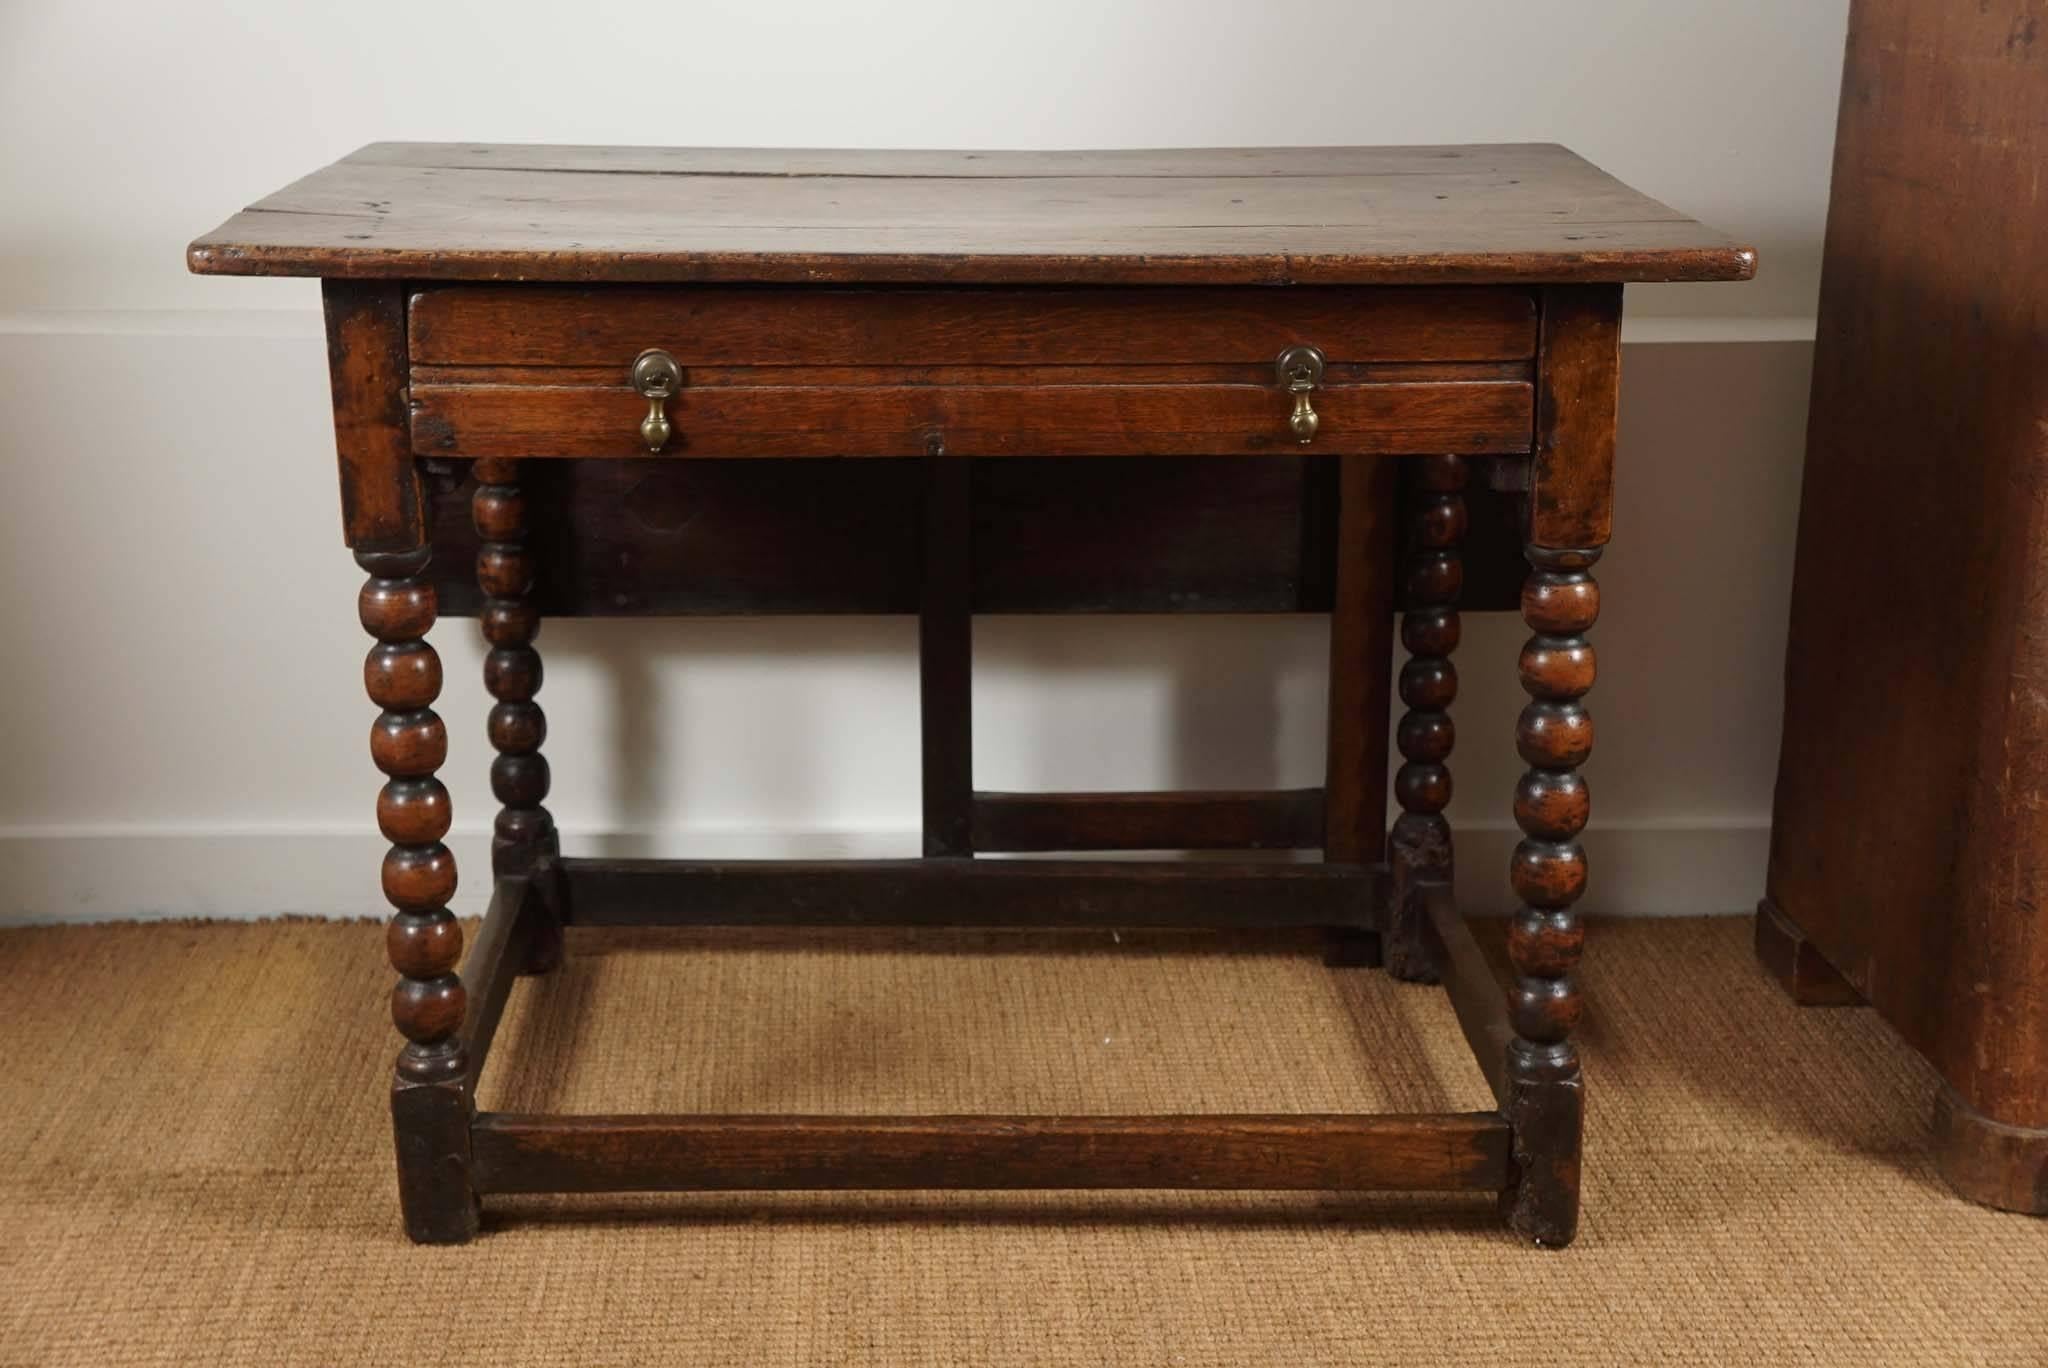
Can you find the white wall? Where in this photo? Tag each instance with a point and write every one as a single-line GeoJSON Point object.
{"type": "Point", "coordinates": [184, 726]}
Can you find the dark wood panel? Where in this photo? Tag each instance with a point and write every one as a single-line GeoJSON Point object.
{"type": "Point", "coordinates": [1270, 216]}
{"type": "Point", "coordinates": [721, 326]}
{"type": "Point", "coordinates": [1104, 419]}
{"type": "Point", "coordinates": [1137, 534]}
{"type": "Point", "coordinates": [1907, 839]}
{"type": "Point", "coordinates": [523, 1153]}
{"type": "Point", "coordinates": [1192, 820]}
{"type": "Point", "coordinates": [1021, 893]}
{"type": "Point", "coordinates": [1123, 535]}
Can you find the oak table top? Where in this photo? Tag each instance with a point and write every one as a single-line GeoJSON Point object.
{"type": "Point", "coordinates": [1517, 213]}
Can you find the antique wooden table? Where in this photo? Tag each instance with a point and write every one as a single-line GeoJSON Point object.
{"type": "Point", "coordinates": [1263, 355]}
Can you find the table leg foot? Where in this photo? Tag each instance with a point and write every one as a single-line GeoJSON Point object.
{"type": "Point", "coordinates": [430, 1124]}
{"type": "Point", "coordinates": [1546, 1109]}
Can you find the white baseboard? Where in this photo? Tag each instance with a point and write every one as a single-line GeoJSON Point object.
{"type": "Point", "coordinates": [1648, 869]}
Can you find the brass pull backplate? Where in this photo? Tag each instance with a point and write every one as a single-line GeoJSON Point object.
{"type": "Point", "coordinates": [1301, 370]}
{"type": "Point", "coordinates": [656, 378]}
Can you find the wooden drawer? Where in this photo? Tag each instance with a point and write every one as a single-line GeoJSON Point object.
{"type": "Point", "coordinates": [543, 371]}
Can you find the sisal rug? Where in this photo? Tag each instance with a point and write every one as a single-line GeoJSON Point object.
{"type": "Point", "coordinates": [195, 1164]}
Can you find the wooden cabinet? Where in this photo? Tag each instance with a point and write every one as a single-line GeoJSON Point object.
{"type": "Point", "coordinates": [1909, 842]}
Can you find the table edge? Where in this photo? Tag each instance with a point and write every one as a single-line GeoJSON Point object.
{"type": "Point", "coordinates": [221, 253]}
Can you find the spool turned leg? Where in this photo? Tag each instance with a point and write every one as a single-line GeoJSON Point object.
{"type": "Point", "coordinates": [430, 1103]}
{"type": "Point", "coordinates": [1560, 601]}
{"type": "Point", "coordinates": [1419, 848]}
{"type": "Point", "coordinates": [524, 831]}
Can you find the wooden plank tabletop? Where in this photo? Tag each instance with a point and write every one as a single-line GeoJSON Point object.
{"type": "Point", "coordinates": [1522, 213]}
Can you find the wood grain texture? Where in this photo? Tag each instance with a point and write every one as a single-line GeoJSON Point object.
{"type": "Point", "coordinates": [714, 326]}
{"type": "Point", "coordinates": [1414, 215]}
{"type": "Point", "coordinates": [382, 502]}
{"type": "Point", "coordinates": [1578, 393]}
{"type": "Point", "coordinates": [1907, 840]}
{"type": "Point", "coordinates": [521, 1153]}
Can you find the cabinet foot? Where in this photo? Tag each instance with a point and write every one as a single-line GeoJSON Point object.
{"type": "Point", "coordinates": [1800, 969]}
{"type": "Point", "coordinates": [1989, 1161]}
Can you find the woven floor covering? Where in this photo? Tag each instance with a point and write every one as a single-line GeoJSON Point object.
{"type": "Point", "coordinates": [197, 1168]}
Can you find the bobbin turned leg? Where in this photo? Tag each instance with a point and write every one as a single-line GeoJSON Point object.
{"type": "Point", "coordinates": [1419, 848]}
{"type": "Point", "coordinates": [1545, 1103]}
{"type": "Point", "coordinates": [430, 1102]}
{"type": "Point", "coordinates": [524, 831]}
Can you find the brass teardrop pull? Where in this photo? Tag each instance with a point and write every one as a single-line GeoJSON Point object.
{"type": "Point", "coordinates": [1301, 370]}
{"type": "Point", "coordinates": [656, 377]}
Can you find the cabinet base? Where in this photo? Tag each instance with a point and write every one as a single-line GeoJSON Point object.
{"type": "Point", "coordinates": [1989, 1161]}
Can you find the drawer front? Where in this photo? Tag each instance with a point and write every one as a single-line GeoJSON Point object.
{"type": "Point", "coordinates": [544, 371]}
